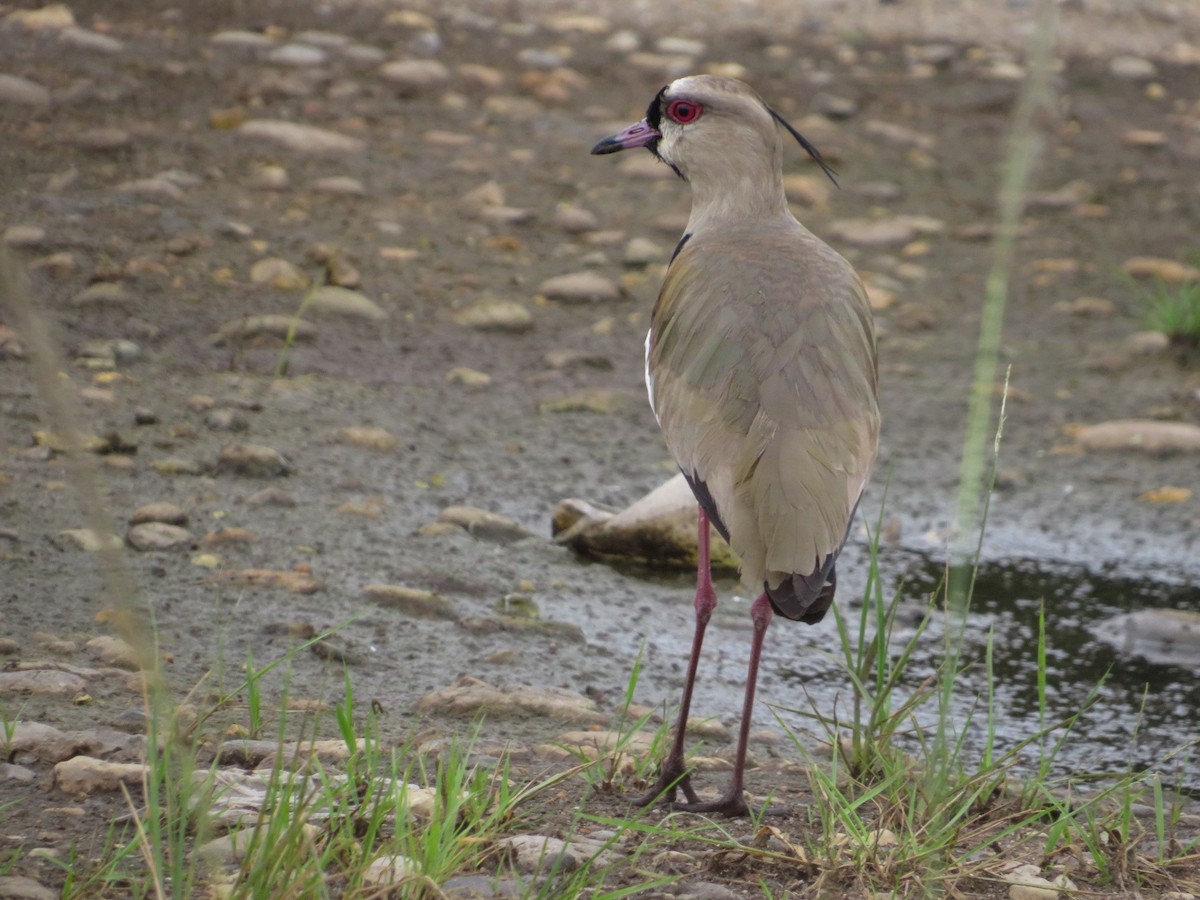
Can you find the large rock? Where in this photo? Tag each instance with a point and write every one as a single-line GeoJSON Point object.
{"type": "Point", "coordinates": [470, 696]}
{"type": "Point", "coordinates": [659, 530]}
{"type": "Point", "coordinates": [1169, 637]}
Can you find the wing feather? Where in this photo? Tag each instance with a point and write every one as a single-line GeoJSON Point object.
{"type": "Point", "coordinates": [761, 354]}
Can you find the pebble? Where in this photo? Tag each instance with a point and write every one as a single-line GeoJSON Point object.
{"type": "Point", "coordinates": [1132, 67]}
{"type": "Point", "coordinates": [268, 177]}
{"type": "Point", "coordinates": [104, 139]}
{"type": "Point", "coordinates": [339, 184]}
{"type": "Point", "coordinates": [575, 220]}
{"type": "Point", "coordinates": [1148, 436]}
{"type": "Point", "coordinates": [24, 235]}
{"type": "Point", "coordinates": [84, 775]}
{"type": "Point", "coordinates": [643, 252]}
{"type": "Point", "coordinates": [369, 436]}
{"type": "Point", "coordinates": [279, 326]}
{"type": "Point", "coordinates": [332, 300]}
{"type": "Point", "coordinates": [159, 512]}
{"type": "Point", "coordinates": [414, 602]}
{"type": "Point", "coordinates": [178, 465]}
{"type": "Point", "coordinates": [155, 188]}
{"type": "Point", "coordinates": [384, 871]}
{"type": "Point", "coordinates": [83, 39]}
{"type": "Point", "coordinates": [301, 138]}
{"type": "Point", "coordinates": [298, 55]}
{"type": "Point", "coordinates": [469, 378]}
{"type": "Point", "coordinates": [225, 420]}
{"type": "Point", "coordinates": [601, 401]}
{"type": "Point", "coordinates": [1169, 270]}
{"type": "Point", "coordinates": [41, 681]}
{"type": "Point", "coordinates": [279, 274]}
{"type": "Point", "coordinates": [470, 696]}
{"type": "Point", "coordinates": [495, 315]}
{"type": "Point", "coordinates": [22, 91]}
{"type": "Point", "coordinates": [479, 76]}
{"type": "Point", "coordinates": [240, 38]}
{"type": "Point", "coordinates": [412, 76]}
{"type": "Point", "coordinates": [91, 541]}
{"type": "Point", "coordinates": [484, 887]}
{"type": "Point", "coordinates": [158, 536]}
{"type": "Point", "coordinates": [271, 496]}
{"type": "Point", "coordinates": [901, 135]}
{"type": "Point", "coordinates": [114, 650]}
{"type": "Point", "coordinates": [481, 523]}
{"type": "Point", "coordinates": [50, 16]}
{"type": "Point", "coordinates": [252, 461]}
{"type": "Point", "coordinates": [19, 887]}
{"type": "Point", "coordinates": [103, 293]}
{"type": "Point", "coordinates": [579, 287]}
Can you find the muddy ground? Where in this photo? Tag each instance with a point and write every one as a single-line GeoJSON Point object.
{"type": "Point", "coordinates": [914, 128]}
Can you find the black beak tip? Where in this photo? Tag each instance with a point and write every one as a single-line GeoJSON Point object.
{"type": "Point", "coordinates": [608, 145]}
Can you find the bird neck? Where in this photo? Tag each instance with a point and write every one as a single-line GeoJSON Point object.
{"type": "Point", "coordinates": [735, 193]}
{"type": "Point", "coordinates": [746, 201]}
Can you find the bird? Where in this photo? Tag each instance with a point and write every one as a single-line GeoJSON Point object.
{"type": "Point", "coordinates": [761, 371]}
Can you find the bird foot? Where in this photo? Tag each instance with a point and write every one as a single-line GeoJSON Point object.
{"type": "Point", "coordinates": [672, 779]}
{"type": "Point", "coordinates": [733, 805]}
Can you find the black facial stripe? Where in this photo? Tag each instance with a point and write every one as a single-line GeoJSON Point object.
{"type": "Point", "coordinates": [654, 110]}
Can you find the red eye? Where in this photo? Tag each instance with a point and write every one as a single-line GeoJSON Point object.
{"type": "Point", "coordinates": [684, 111]}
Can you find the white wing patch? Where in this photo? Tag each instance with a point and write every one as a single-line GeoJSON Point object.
{"type": "Point", "coordinates": [650, 379]}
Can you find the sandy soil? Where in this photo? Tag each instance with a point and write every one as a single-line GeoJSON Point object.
{"type": "Point", "coordinates": [923, 136]}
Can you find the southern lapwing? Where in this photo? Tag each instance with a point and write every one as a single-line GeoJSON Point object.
{"type": "Point", "coordinates": [760, 365]}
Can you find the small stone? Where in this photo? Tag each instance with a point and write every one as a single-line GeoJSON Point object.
{"type": "Point", "coordinates": [178, 465]}
{"type": "Point", "coordinates": [298, 55]}
{"type": "Point", "coordinates": [643, 252]}
{"type": "Point", "coordinates": [1146, 343]}
{"type": "Point", "coordinates": [1144, 137]}
{"type": "Point", "coordinates": [50, 16]}
{"type": "Point", "coordinates": [1088, 307]}
{"type": "Point", "coordinates": [679, 46]}
{"type": "Point", "coordinates": [24, 235]}
{"type": "Point", "coordinates": [1147, 436]}
{"type": "Point", "coordinates": [413, 76]}
{"type": "Point", "coordinates": [579, 287]}
{"type": "Point", "coordinates": [301, 138]}
{"type": "Point", "coordinates": [103, 293]}
{"type": "Point", "coordinates": [239, 38]}
{"type": "Point", "coordinates": [19, 887]}
{"type": "Point", "coordinates": [84, 775]}
{"type": "Point", "coordinates": [268, 177]}
{"type": "Point", "coordinates": [873, 232]}
{"type": "Point", "coordinates": [225, 420]}
{"type": "Point", "coordinates": [385, 871]}
{"type": "Point", "coordinates": [1132, 67]}
{"type": "Point", "coordinates": [836, 107]}
{"type": "Point", "coordinates": [154, 188]}
{"type": "Point", "coordinates": [22, 91]}
{"type": "Point", "coordinates": [41, 681]}
{"type": "Point", "coordinates": [114, 651]}
{"type": "Point", "coordinates": [158, 536]}
{"type": "Point", "coordinates": [279, 274]}
{"type": "Point", "coordinates": [369, 436]}
{"type": "Point", "coordinates": [343, 185]}
{"type": "Point", "coordinates": [601, 401]}
{"type": "Point", "coordinates": [1167, 270]}
{"type": "Point", "coordinates": [91, 541]}
{"type": "Point", "coordinates": [480, 76]}
{"type": "Point", "coordinates": [494, 315]}
{"type": "Point", "coordinates": [470, 378]}
{"type": "Point", "coordinates": [469, 696]}
{"type": "Point", "coordinates": [339, 301]}
{"type": "Point", "coordinates": [574, 220]}
{"type": "Point", "coordinates": [271, 496]}
{"type": "Point", "coordinates": [483, 524]}
{"type": "Point", "coordinates": [410, 601]}
{"type": "Point", "coordinates": [901, 135]}
{"type": "Point", "coordinates": [253, 461]}
{"type": "Point", "coordinates": [83, 39]}
{"type": "Point", "coordinates": [485, 195]}
{"type": "Point", "coordinates": [278, 326]}
{"type": "Point", "coordinates": [167, 513]}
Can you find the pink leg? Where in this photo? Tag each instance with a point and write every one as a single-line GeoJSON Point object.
{"type": "Point", "coordinates": [674, 775]}
{"type": "Point", "coordinates": [733, 802]}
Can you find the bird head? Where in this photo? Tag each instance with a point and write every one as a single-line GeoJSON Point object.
{"type": "Point", "coordinates": [710, 127]}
